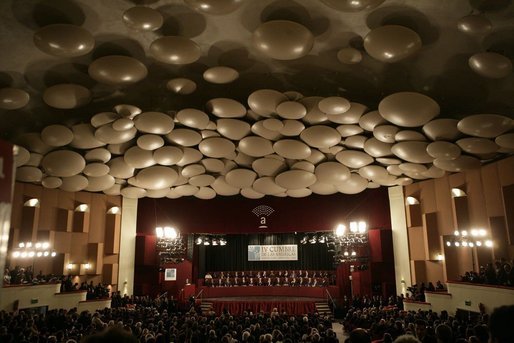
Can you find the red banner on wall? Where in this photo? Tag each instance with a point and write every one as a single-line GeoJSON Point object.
{"type": "Point", "coordinates": [6, 188]}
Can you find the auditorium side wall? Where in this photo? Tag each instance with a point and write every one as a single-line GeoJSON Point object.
{"type": "Point", "coordinates": [77, 237]}
{"type": "Point", "coordinates": [488, 204]}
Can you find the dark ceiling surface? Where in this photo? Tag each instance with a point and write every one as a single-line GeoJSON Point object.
{"type": "Point", "coordinates": [328, 49]}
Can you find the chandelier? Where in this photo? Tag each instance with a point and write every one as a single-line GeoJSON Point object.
{"type": "Point", "coordinates": [170, 245]}
{"type": "Point", "coordinates": [473, 238]}
{"type": "Point", "coordinates": [348, 243]}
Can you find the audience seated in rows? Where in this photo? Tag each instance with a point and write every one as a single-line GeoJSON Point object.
{"type": "Point", "coordinates": [500, 273]}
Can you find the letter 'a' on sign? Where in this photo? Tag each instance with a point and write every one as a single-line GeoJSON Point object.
{"type": "Point", "coordinates": [263, 211]}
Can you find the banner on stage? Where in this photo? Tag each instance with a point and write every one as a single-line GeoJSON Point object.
{"type": "Point", "coordinates": [287, 252]}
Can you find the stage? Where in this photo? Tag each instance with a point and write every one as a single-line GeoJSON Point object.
{"type": "Point", "coordinates": [269, 291]}
{"type": "Point", "coordinates": [238, 305]}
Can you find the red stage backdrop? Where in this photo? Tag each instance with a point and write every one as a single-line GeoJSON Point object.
{"type": "Point", "coordinates": [236, 215]}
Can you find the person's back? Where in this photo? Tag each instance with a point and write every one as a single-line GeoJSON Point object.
{"type": "Point", "coordinates": [359, 336]}
{"type": "Point", "coordinates": [500, 324]}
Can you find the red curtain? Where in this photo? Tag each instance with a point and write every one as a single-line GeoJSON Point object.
{"type": "Point", "coordinates": [290, 307]}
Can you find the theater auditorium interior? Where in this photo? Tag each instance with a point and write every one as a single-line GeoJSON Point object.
{"type": "Point", "coordinates": [256, 170]}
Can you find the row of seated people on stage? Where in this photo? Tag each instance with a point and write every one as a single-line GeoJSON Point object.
{"type": "Point", "coordinates": [270, 278]}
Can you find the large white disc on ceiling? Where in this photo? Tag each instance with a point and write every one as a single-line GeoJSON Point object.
{"type": "Point", "coordinates": [255, 146]}
{"type": "Point", "coordinates": [291, 110]}
{"type": "Point", "coordinates": [104, 118]}
{"type": "Point", "coordinates": [349, 55]}
{"type": "Point", "coordinates": [283, 39]}
{"type": "Point", "coordinates": [316, 156]}
{"type": "Point", "coordinates": [96, 169]}
{"type": "Point", "coordinates": [474, 24]}
{"type": "Point", "coordinates": [293, 149]}
{"type": "Point", "coordinates": [181, 86]}
{"type": "Point", "coordinates": [376, 148]}
{"type": "Point", "coordinates": [442, 129]}
{"type": "Point", "coordinates": [217, 147]}
{"type": "Point", "coordinates": [295, 179]}
{"type": "Point", "coordinates": [142, 18]}
{"type": "Point", "coordinates": [268, 166]}
{"type": "Point", "coordinates": [349, 130]}
{"type": "Point", "coordinates": [21, 156]}
{"type": "Point", "coordinates": [371, 119]}
{"type": "Point", "coordinates": [173, 194]}
{"type": "Point", "coordinates": [334, 105]}
{"type": "Point", "coordinates": [114, 190]}
{"type": "Point", "coordinates": [314, 114]}
{"type": "Point", "coordinates": [202, 180]}
{"type": "Point", "coordinates": [84, 137]}
{"type": "Point", "coordinates": [485, 125]}
{"type": "Point", "coordinates": [292, 127]}
{"type": "Point", "coordinates": [443, 150]}
{"type": "Point", "coordinates": [259, 129]}
{"type": "Point", "coordinates": [385, 133]}
{"type": "Point", "coordinates": [355, 142]}
{"type": "Point", "coordinates": [56, 135]}
{"type": "Point", "coordinates": [13, 98]}
{"type": "Point", "coordinates": [205, 193]}
{"type": "Point", "coordinates": [320, 136]}
{"type": "Point", "coordinates": [193, 118]}
{"type": "Point", "coordinates": [355, 184]}
{"type": "Point", "coordinates": [351, 116]}
{"type": "Point", "coordinates": [267, 185]}
{"type": "Point", "coordinates": [117, 70]}
{"type": "Point", "coordinates": [459, 164]}
{"type": "Point", "coordinates": [354, 159]}
{"type": "Point", "coordinates": [408, 109]}
{"type": "Point", "coordinates": [473, 145]}
{"type": "Point", "coordinates": [434, 172]}
{"type": "Point", "coordinates": [505, 141]}
{"type": "Point", "coordinates": [108, 135]}
{"type": "Point", "coordinates": [133, 192]}
{"type": "Point", "coordinates": [192, 170]}
{"type": "Point", "coordinates": [213, 165]}
{"type": "Point", "coordinates": [186, 190]}
{"type": "Point", "coordinates": [303, 165]}
{"type": "Point", "coordinates": [150, 142]}
{"type": "Point", "coordinates": [184, 137]}
{"type": "Point", "coordinates": [413, 167]}
{"type": "Point", "coordinates": [127, 111]}
{"type": "Point", "coordinates": [99, 183]}
{"type": "Point", "coordinates": [250, 193]}
{"type": "Point", "coordinates": [394, 170]}
{"type": "Point", "coordinates": [243, 160]}
{"type": "Point", "coordinates": [154, 122]}
{"type": "Point", "coordinates": [240, 178]}
{"type": "Point", "coordinates": [66, 96]}
{"type": "Point", "coordinates": [175, 50]}
{"type": "Point", "coordinates": [373, 172]}
{"type": "Point", "coordinates": [190, 156]}
{"type": "Point", "coordinates": [168, 155]}
{"type": "Point", "coordinates": [209, 134]}
{"type": "Point", "coordinates": [332, 173]}
{"type": "Point", "coordinates": [352, 5]}
{"type": "Point", "coordinates": [51, 182]}
{"type": "Point", "coordinates": [226, 108]}
{"type": "Point", "coordinates": [139, 158]}
{"type": "Point", "coordinates": [29, 174]}
{"type": "Point", "coordinates": [415, 152]}
{"type": "Point", "coordinates": [323, 188]}
{"type": "Point", "coordinates": [220, 75]}
{"type": "Point", "coordinates": [156, 177]}
{"type": "Point", "coordinates": [74, 183]}
{"type": "Point", "coordinates": [409, 135]}
{"type": "Point", "coordinates": [34, 159]}
{"type": "Point", "coordinates": [120, 169]}
{"type": "Point", "coordinates": [299, 193]}
{"type": "Point", "coordinates": [392, 43]}
{"type": "Point", "coordinates": [63, 163]}
{"type": "Point", "coordinates": [64, 40]}
{"type": "Point", "coordinates": [234, 129]}
{"type": "Point", "coordinates": [265, 101]}
{"type": "Point", "coordinates": [123, 124]}
{"type": "Point", "coordinates": [157, 193]}
{"type": "Point", "coordinates": [491, 65]}
{"type": "Point", "coordinates": [223, 188]}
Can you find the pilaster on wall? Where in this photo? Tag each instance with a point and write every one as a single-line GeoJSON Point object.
{"type": "Point", "coordinates": [400, 239]}
{"type": "Point", "coordinates": [127, 246]}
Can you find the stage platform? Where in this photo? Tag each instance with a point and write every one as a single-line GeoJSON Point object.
{"type": "Point", "coordinates": [293, 305]}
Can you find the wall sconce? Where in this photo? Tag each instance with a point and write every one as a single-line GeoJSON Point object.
{"type": "Point", "coordinates": [114, 210]}
{"type": "Point", "coordinates": [87, 266]}
{"type": "Point", "coordinates": [70, 266]}
{"type": "Point", "coordinates": [457, 193]}
{"type": "Point", "coordinates": [34, 202]}
{"type": "Point", "coordinates": [82, 208]}
{"type": "Point", "coordinates": [439, 257]}
{"type": "Point", "coordinates": [412, 201]}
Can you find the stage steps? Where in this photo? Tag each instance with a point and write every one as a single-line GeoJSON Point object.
{"type": "Point", "coordinates": [323, 309]}
{"type": "Point", "coordinates": [206, 307]}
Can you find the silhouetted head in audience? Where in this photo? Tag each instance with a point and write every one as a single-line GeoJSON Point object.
{"type": "Point", "coordinates": [406, 339]}
{"type": "Point", "coordinates": [481, 332]}
{"type": "Point", "coordinates": [443, 334]}
{"type": "Point", "coordinates": [113, 335]}
{"type": "Point", "coordinates": [359, 336]}
{"type": "Point", "coordinates": [500, 324]}
{"type": "Point", "coordinates": [420, 328]}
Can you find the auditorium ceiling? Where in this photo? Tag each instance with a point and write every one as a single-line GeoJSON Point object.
{"type": "Point", "coordinates": [206, 98]}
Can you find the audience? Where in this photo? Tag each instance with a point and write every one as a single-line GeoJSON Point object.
{"type": "Point", "coordinates": [500, 273]}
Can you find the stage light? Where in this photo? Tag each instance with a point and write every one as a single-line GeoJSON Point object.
{"type": "Point", "coordinates": [448, 243]}
{"type": "Point", "coordinates": [45, 245]}
{"type": "Point", "coordinates": [313, 239]}
{"type": "Point", "coordinates": [478, 243]}
{"type": "Point", "coordinates": [354, 227]}
{"type": "Point", "coordinates": [223, 241]}
{"type": "Point", "coordinates": [340, 230]}
{"type": "Point", "coordinates": [214, 242]}
{"type": "Point", "coordinates": [16, 254]}
{"type": "Point", "coordinates": [23, 254]}
{"type": "Point", "coordinates": [199, 240]}
{"type": "Point", "coordinates": [489, 243]}
{"type": "Point", "coordinates": [456, 232]}
{"type": "Point", "coordinates": [46, 253]}
{"type": "Point", "coordinates": [28, 244]}
{"type": "Point", "coordinates": [206, 241]}
{"type": "Point", "coordinates": [170, 232]}
{"type": "Point", "coordinates": [39, 254]}
{"type": "Point", "coordinates": [159, 231]}
{"type": "Point", "coordinates": [21, 245]}
{"type": "Point", "coordinates": [354, 253]}
{"type": "Point", "coordinates": [362, 227]}
{"type": "Point", "coordinates": [53, 254]}
{"type": "Point", "coordinates": [38, 245]}
{"type": "Point", "coordinates": [457, 244]}
{"type": "Point", "coordinates": [346, 253]}
{"type": "Point", "coordinates": [482, 232]}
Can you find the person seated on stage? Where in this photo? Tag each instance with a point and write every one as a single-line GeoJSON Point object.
{"type": "Point", "coordinates": [236, 275]}
{"type": "Point", "coordinates": [286, 273]}
{"type": "Point", "coordinates": [279, 273]}
{"type": "Point", "coordinates": [285, 281]}
{"type": "Point", "coordinates": [236, 280]}
{"type": "Point", "coordinates": [264, 274]}
{"type": "Point", "coordinates": [324, 283]}
{"type": "Point", "coordinates": [309, 282]}
{"type": "Point", "coordinates": [221, 282]}
{"type": "Point", "coordinates": [227, 281]}
{"type": "Point", "coordinates": [306, 274]}
{"type": "Point", "coordinates": [222, 275]}
{"type": "Point", "coordinates": [242, 273]}
{"type": "Point", "coordinates": [258, 274]}
{"type": "Point", "coordinates": [208, 279]}
{"type": "Point", "coordinates": [250, 283]}
{"type": "Point", "coordinates": [300, 281]}
{"type": "Point", "coordinates": [314, 282]}
{"type": "Point", "coordinates": [269, 282]}
{"type": "Point", "coordinates": [300, 273]}
{"type": "Point", "coordinates": [259, 281]}
{"type": "Point", "coordinates": [293, 274]}
{"type": "Point", "coordinates": [243, 281]}
{"type": "Point", "coordinates": [272, 274]}
{"type": "Point", "coordinates": [292, 281]}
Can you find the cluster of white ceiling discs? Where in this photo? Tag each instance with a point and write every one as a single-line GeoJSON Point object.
{"type": "Point", "coordinates": [277, 143]}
